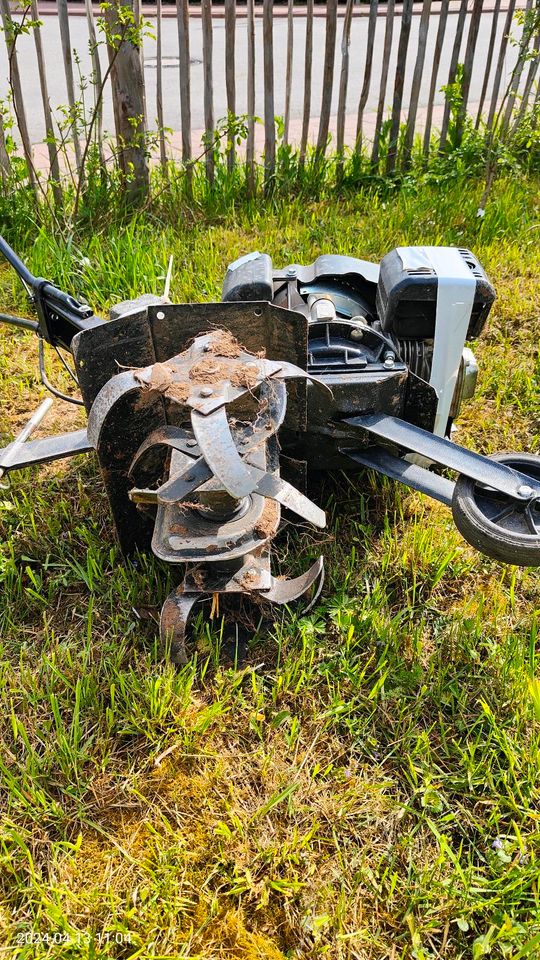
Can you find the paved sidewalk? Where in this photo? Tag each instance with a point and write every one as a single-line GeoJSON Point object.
{"type": "Point", "coordinates": [174, 140]}
{"type": "Point", "coordinates": [48, 8]}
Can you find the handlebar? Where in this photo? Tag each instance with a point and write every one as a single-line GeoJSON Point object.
{"type": "Point", "coordinates": [60, 316]}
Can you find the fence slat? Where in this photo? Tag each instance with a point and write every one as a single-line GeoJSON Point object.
{"type": "Point", "coordinates": [49, 128]}
{"type": "Point", "coordinates": [182, 20]}
{"type": "Point", "coordinates": [328, 75]}
{"type": "Point", "coordinates": [518, 70]}
{"type": "Point", "coordinates": [489, 61]}
{"type": "Point", "coordinates": [159, 88]}
{"type": "Point", "coordinates": [288, 77]}
{"type": "Point", "coordinates": [137, 20]}
{"type": "Point", "coordinates": [206, 15]}
{"type": "Point", "coordinates": [250, 143]}
{"type": "Point", "coordinates": [403, 45]}
{"type": "Point", "coordinates": [269, 121]}
{"type": "Point", "coordinates": [453, 69]}
{"type": "Point", "coordinates": [308, 62]}
{"type": "Point", "coordinates": [468, 62]}
{"type": "Point", "coordinates": [98, 79]}
{"type": "Point", "coordinates": [5, 163]}
{"type": "Point", "coordinates": [416, 81]}
{"type": "Point", "coordinates": [388, 35]}
{"type": "Point", "coordinates": [372, 22]}
{"type": "Point", "coordinates": [18, 100]}
{"type": "Point", "coordinates": [500, 63]}
{"type": "Point", "coordinates": [230, 75]}
{"type": "Point", "coordinates": [343, 84]}
{"type": "Point", "coordinates": [63, 21]}
{"type": "Point", "coordinates": [531, 76]}
{"type": "Point", "coordinates": [439, 40]}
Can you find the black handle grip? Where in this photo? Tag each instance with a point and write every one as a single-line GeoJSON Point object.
{"type": "Point", "coordinates": [60, 316]}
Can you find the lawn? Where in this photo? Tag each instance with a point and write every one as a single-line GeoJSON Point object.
{"type": "Point", "coordinates": [365, 782]}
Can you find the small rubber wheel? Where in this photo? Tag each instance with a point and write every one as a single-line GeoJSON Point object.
{"type": "Point", "coordinates": [498, 525]}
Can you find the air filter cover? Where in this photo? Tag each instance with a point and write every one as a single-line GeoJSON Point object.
{"type": "Point", "coordinates": [406, 296]}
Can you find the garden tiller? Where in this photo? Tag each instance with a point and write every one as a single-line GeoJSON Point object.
{"type": "Point", "coordinates": [206, 417]}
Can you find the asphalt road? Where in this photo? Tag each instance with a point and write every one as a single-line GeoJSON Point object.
{"type": "Point", "coordinates": [79, 40]}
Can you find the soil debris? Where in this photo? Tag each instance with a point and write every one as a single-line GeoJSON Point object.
{"type": "Point", "coordinates": [161, 380]}
{"type": "Point", "coordinates": [267, 523]}
{"type": "Point", "coordinates": [160, 377]}
{"type": "Point", "coordinates": [209, 371]}
{"type": "Point", "coordinates": [249, 579]}
{"type": "Point", "coordinates": [225, 345]}
{"type": "Point", "coordinates": [245, 375]}
{"type": "Point", "coordinates": [178, 391]}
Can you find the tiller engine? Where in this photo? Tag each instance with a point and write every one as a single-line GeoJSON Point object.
{"type": "Point", "coordinates": [201, 415]}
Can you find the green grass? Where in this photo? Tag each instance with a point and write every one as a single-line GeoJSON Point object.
{"type": "Point", "coordinates": [365, 786]}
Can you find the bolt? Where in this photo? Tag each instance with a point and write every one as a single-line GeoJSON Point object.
{"type": "Point", "coordinates": [160, 315]}
{"type": "Point", "coordinates": [191, 443]}
{"type": "Point", "coordinates": [206, 392]}
{"type": "Point", "coordinates": [291, 272]}
{"type": "Point", "coordinates": [206, 348]}
{"type": "Point", "coordinates": [525, 491]}
{"type": "Point", "coordinates": [253, 572]}
{"type": "Point", "coordinates": [389, 361]}
{"type": "Point", "coordinates": [357, 333]}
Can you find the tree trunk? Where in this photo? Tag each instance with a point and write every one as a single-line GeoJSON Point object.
{"type": "Point", "coordinates": [128, 96]}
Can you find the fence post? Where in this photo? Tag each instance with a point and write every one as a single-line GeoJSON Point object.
{"type": "Point", "coordinates": [328, 76]}
{"type": "Point", "coordinates": [127, 84]}
{"type": "Point", "coordinates": [269, 119]}
{"type": "Point", "coordinates": [518, 70]}
{"type": "Point", "coordinates": [54, 166]}
{"type": "Point", "coordinates": [96, 67]}
{"type": "Point", "coordinates": [416, 81]}
{"type": "Point", "coordinates": [468, 67]}
{"type": "Point", "coordinates": [230, 77]}
{"type": "Point", "coordinates": [388, 34]}
{"type": "Point", "coordinates": [288, 77]}
{"type": "Point", "coordinates": [5, 165]}
{"type": "Point", "coordinates": [182, 18]}
{"type": "Point", "coordinates": [307, 82]}
{"type": "Point", "coordinates": [18, 100]}
{"type": "Point", "coordinates": [452, 72]}
{"type": "Point", "coordinates": [439, 40]}
{"type": "Point", "coordinates": [159, 89]}
{"type": "Point", "coordinates": [489, 61]}
{"type": "Point", "coordinates": [405, 31]}
{"type": "Point", "coordinates": [531, 75]}
{"type": "Point", "coordinates": [250, 143]}
{"type": "Point", "coordinates": [206, 14]}
{"type": "Point", "coordinates": [138, 17]}
{"type": "Point", "coordinates": [500, 63]}
{"type": "Point", "coordinates": [63, 22]}
{"type": "Point", "coordinates": [343, 85]}
{"type": "Point", "coordinates": [367, 72]}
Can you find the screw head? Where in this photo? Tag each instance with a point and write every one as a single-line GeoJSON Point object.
{"type": "Point", "coordinates": [357, 333]}
{"type": "Point", "coordinates": [191, 443]}
{"type": "Point", "coordinates": [525, 491]}
{"type": "Point", "coordinates": [389, 363]}
{"type": "Point", "coordinates": [291, 272]}
{"type": "Point", "coordinates": [206, 392]}
{"type": "Point", "coordinates": [160, 315]}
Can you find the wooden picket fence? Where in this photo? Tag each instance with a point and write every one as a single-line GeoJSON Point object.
{"type": "Point", "coordinates": [453, 25]}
